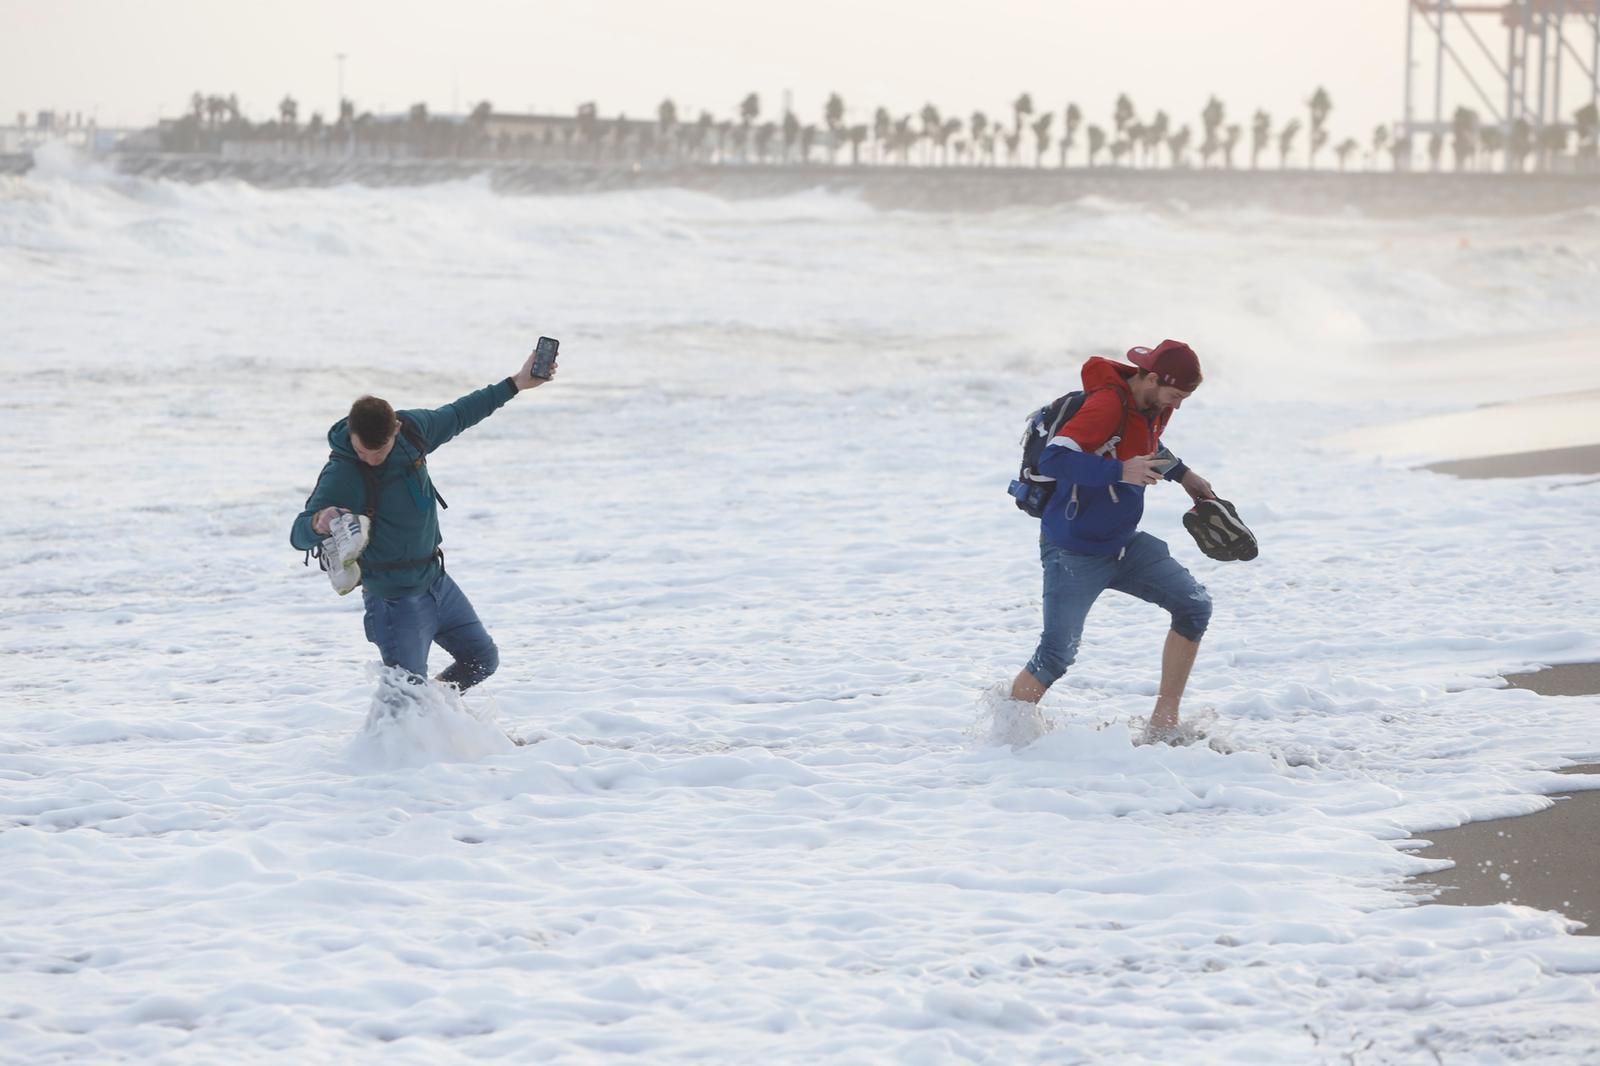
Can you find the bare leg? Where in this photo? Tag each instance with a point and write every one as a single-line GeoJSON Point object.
{"type": "Point", "coordinates": [1027, 688]}
{"type": "Point", "coordinates": [1177, 659]}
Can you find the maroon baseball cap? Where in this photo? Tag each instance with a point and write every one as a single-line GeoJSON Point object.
{"type": "Point", "coordinates": [1174, 362]}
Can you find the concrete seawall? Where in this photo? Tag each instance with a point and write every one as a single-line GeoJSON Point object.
{"type": "Point", "coordinates": [1380, 194]}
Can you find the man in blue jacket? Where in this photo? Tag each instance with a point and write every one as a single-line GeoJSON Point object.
{"type": "Point", "coordinates": [1102, 459]}
{"type": "Point", "coordinates": [378, 468]}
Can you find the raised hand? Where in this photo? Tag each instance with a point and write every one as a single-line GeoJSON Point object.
{"type": "Point", "coordinates": [524, 378]}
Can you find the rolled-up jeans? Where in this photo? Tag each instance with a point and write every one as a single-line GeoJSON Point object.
{"type": "Point", "coordinates": [403, 627]}
{"type": "Point", "coordinates": [1072, 582]}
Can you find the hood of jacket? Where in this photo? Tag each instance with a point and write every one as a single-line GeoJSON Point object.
{"type": "Point", "coordinates": [339, 440]}
{"type": "Point", "coordinates": [1100, 373]}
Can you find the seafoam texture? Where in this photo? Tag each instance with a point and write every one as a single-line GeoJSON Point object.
{"type": "Point", "coordinates": [751, 568]}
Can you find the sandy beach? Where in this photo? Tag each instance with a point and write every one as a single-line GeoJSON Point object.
{"type": "Point", "coordinates": [1513, 406]}
{"type": "Point", "coordinates": [1510, 407]}
{"type": "Point", "coordinates": [1546, 860]}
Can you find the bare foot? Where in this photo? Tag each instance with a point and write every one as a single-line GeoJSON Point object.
{"type": "Point", "coordinates": [1163, 720]}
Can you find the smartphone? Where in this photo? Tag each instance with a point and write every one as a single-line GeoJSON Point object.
{"type": "Point", "coordinates": [1164, 460]}
{"type": "Point", "coordinates": [544, 357]}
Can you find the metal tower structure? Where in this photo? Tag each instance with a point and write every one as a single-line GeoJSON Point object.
{"type": "Point", "coordinates": [1521, 92]}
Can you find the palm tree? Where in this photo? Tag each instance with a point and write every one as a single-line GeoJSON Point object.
{"type": "Point", "coordinates": [1344, 149]}
{"type": "Point", "coordinates": [1097, 141]}
{"type": "Point", "coordinates": [903, 139]}
{"type": "Point", "coordinates": [1320, 105]}
{"type": "Point", "coordinates": [1464, 136]}
{"type": "Point", "coordinates": [1230, 141]}
{"type": "Point", "coordinates": [1013, 144]}
{"type": "Point", "coordinates": [197, 107]}
{"type": "Point", "coordinates": [833, 112]}
{"type": "Point", "coordinates": [1380, 141]}
{"type": "Point", "coordinates": [1154, 135]}
{"type": "Point", "coordinates": [749, 111]}
{"type": "Point", "coordinates": [1400, 149]}
{"type": "Point", "coordinates": [1070, 134]}
{"type": "Point", "coordinates": [932, 123]}
{"type": "Point", "coordinates": [882, 128]}
{"type": "Point", "coordinates": [1021, 108]}
{"type": "Point", "coordinates": [979, 125]}
{"type": "Point", "coordinates": [288, 111]}
{"type": "Point", "coordinates": [1492, 139]}
{"type": "Point", "coordinates": [833, 115]}
{"type": "Point", "coordinates": [1286, 141]}
{"type": "Point", "coordinates": [1552, 142]}
{"type": "Point", "coordinates": [1041, 136]}
{"type": "Point", "coordinates": [1260, 137]}
{"type": "Point", "coordinates": [1178, 145]}
{"type": "Point", "coordinates": [666, 117]}
{"type": "Point", "coordinates": [1587, 122]}
{"type": "Point", "coordinates": [1212, 117]}
{"type": "Point", "coordinates": [857, 134]}
{"type": "Point", "coordinates": [1435, 148]}
{"type": "Point", "coordinates": [1123, 115]}
{"type": "Point", "coordinates": [952, 127]}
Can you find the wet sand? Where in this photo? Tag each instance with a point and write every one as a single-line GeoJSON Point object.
{"type": "Point", "coordinates": [1549, 860]}
{"type": "Point", "coordinates": [1579, 460]}
{"type": "Point", "coordinates": [1567, 679]}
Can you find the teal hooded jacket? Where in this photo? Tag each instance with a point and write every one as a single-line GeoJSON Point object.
{"type": "Point", "coordinates": [405, 522]}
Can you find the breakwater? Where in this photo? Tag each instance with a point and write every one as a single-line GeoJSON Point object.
{"type": "Point", "coordinates": [1374, 193]}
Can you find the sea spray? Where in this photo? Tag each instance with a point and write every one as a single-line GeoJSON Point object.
{"type": "Point", "coordinates": [413, 723]}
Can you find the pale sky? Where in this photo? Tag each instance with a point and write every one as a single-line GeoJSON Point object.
{"type": "Point", "coordinates": [128, 61]}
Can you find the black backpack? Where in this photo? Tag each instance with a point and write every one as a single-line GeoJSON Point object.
{"type": "Point", "coordinates": [1031, 489]}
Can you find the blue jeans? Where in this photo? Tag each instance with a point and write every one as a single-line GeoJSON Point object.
{"type": "Point", "coordinates": [1072, 582]}
{"type": "Point", "coordinates": [404, 627]}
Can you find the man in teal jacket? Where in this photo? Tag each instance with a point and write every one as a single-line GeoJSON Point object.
{"type": "Point", "coordinates": [378, 468]}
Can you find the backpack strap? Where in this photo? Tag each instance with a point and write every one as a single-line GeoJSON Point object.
{"type": "Point", "coordinates": [413, 436]}
{"type": "Point", "coordinates": [369, 474]}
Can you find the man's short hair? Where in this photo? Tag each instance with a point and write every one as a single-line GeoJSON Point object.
{"type": "Point", "coordinates": [372, 421]}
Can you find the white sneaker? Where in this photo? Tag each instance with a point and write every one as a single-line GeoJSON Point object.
{"type": "Point", "coordinates": [345, 579]}
{"type": "Point", "coordinates": [346, 540]}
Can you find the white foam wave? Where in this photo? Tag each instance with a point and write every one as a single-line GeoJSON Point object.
{"type": "Point", "coordinates": [412, 724]}
{"type": "Point", "coordinates": [1263, 296]}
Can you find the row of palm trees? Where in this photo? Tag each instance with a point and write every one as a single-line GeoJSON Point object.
{"type": "Point", "coordinates": [1023, 137]}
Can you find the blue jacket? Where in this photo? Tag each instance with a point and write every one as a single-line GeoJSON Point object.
{"type": "Point", "coordinates": [1092, 511]}
{"type": "Point", "coordinates": [406, 515]}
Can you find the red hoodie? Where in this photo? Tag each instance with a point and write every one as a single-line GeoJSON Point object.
{"type": "Point", "coordinates": [1091, 511]}
{"type": "Point", "coordinates": [1109, 412]}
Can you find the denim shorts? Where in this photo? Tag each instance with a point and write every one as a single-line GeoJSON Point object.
{"type": "Point", "coordinates": [1072, 582]}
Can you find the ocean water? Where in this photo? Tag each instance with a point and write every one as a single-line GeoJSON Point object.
{"type": "Point", "coordinates": [751, 567]}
